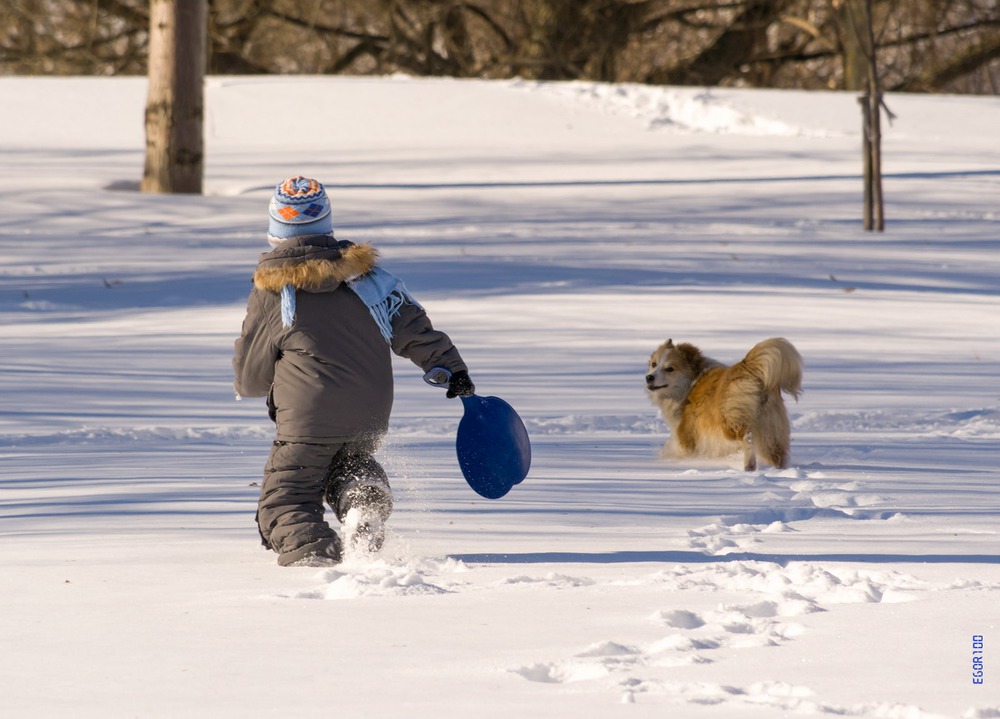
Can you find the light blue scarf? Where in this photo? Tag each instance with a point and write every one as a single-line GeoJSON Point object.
{"type": "Point", "coordinates": [287, 305]}
{"type": "Point", "coordinates": [383, 293]}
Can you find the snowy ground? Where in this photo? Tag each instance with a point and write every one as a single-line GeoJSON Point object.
{"type": "Point", "coordinates": [558, 233]}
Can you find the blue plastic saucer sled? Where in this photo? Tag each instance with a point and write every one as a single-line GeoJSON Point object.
{"type": "Point", "coordinates": [494, 452]}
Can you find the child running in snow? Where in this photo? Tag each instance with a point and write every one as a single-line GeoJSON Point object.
{"type": "Point", "coordinates": [321, 321]}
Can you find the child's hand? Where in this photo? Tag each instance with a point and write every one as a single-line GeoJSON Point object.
{"type": "Point", "coordinates": [460, 385]}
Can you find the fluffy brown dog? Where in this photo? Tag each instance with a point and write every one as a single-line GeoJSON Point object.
{"type": "Point", "coordinates": [715, 410]}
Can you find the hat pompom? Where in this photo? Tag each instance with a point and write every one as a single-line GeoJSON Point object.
{"type": "Point", "coordinates": [299, 207]}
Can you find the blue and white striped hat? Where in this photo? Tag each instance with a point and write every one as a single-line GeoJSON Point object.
{"type": "Point", "coordinates": [299, 207]}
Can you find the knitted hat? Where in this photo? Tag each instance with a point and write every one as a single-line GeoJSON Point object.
{"type": "Point", "coordinates": [299, 207]}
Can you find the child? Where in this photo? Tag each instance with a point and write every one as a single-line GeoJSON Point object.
{"type": "Point", "coordinates": [321, 321]}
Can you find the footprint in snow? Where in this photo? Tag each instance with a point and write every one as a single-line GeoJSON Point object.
{"type": "Point", "coordinates": [597, 661]}
{"type": "Point", "coordinates": [366, 577]}
{"type": "Point", "coordinates": [562, 672]}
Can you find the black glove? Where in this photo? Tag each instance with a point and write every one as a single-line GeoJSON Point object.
{"type": "Point", "coordinates": [460, 385]}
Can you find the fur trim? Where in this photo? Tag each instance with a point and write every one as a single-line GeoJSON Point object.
{"type": "Point", "coordinates": [354, 261]}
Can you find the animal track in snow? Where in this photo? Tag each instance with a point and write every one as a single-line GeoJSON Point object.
{"type": "Point", "coordinates": [843, 496]}
{"type": "Point", "coordinates": [721, 538]}
{"type": "Point", "coordinates": [799, 582]}
{"type": "Point", "coordinates": [785, 697]}
{"type": "Point", "coordinates": [809, 489]}
{"type": "Point", "coordinates": [739, 626]}
{"type": "Point", "coordinates": [681, 619]}
{"type": "Point", "coordinates": [795, 495]}
{"type": "Point", "coordinates": [779, 598]}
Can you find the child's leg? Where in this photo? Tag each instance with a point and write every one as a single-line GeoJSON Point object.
{"type": "Point", "coordinates": [356, 480]}
{"type": "Point", "coordinates": [358, 492]}
{"type": "Point", "coordinates": [290, 511]}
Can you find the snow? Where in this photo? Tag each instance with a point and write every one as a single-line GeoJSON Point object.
{"type": "Point", "coordinates": [559, 233]}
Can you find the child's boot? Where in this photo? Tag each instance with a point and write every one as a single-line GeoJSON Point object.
{"type": "Point", "coordinates": [359, 493]}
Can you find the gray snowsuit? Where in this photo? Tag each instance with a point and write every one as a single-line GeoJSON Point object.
{"type": "Point", "coordinates": [328, 379]}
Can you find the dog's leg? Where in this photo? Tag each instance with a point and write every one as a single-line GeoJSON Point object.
{"type": "Point", "coordinates": [774, 445]}
{"type": "Point", "coordinates": [749, 454]}
{"type": "Point", "coordinates": [779, 456]}
{"type": "Point", "coordinates": [774, 435]}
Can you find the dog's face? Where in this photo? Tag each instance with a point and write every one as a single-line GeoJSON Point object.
{"type": "Point", "coordinates": [669, 374]}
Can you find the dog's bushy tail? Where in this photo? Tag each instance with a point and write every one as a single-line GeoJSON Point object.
{"type": "Point", "coordinates": [777, 364]}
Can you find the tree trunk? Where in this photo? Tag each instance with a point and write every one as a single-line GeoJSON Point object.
{"type": "Point", "coordinates": [175, 101]}
{"type": "Point", "coordinates": [875, 103]}
{"type": "Point", "coordinates": [871, 102]}
{"type": "Point", "coordinates": [850, 17]}
{"type": "Point", "coordinates": [868, 199]}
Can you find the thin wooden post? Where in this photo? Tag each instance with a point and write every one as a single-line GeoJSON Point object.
{"type": "Point", "coordinates": [874, 123]}
{"type": "Point", "coordinates": [866, 158]}
{"type": "Point", "coordinates": [871, 115]}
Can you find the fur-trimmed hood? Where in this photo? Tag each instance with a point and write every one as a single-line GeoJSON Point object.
{"type": "Point", "coordinates": [314, 263]}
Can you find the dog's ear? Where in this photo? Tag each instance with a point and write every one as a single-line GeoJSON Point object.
{"type": "Point", "coordinates": [692, 357]}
